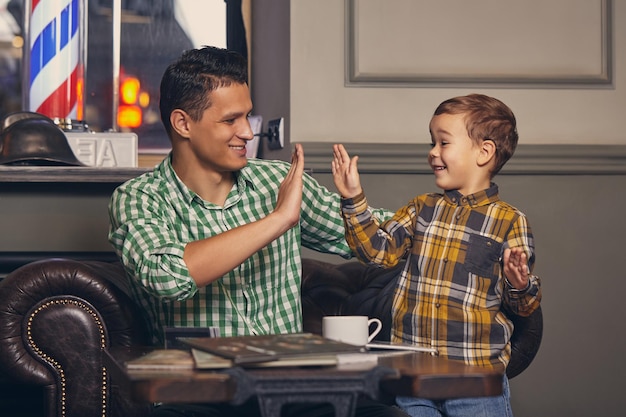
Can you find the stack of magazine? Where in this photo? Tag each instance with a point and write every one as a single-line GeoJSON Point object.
{"type": "Point", "coordinates": [279, 350]}
{"type": "Point", "coordinates": [294, 349]}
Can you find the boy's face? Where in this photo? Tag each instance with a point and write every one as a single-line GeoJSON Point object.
{"type": "Point", "coordinates": [219, 138]}
{"type": "Point", "coordinates": [454, 156]}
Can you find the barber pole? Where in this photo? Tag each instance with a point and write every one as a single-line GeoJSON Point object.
{"type": "Point", "coordinates": [56, 57]}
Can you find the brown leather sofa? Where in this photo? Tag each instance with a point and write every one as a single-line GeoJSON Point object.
{"type": "Point", "coordinates": [57, 315]}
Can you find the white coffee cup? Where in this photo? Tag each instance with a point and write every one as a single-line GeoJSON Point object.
{"type": "Point", "coordinates": [354, 330]}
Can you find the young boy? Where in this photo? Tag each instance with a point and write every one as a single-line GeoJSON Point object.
{"type": "Point", "coordinates": [469, 254]}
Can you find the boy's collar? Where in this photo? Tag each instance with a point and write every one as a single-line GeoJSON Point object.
{"type": "Point", "coordinates": [479, 198]}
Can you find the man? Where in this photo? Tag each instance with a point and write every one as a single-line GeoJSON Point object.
{"type": "Point", "coordinates": [211, 238]}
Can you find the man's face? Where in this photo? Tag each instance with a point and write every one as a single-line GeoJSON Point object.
{"type": "Point", "coordinates": [219, 138]}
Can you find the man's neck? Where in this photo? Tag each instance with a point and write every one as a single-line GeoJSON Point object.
{"type": "Point", "coordinates": [211, 186]}
{"type": "Point", "coordinates": [214, 192]}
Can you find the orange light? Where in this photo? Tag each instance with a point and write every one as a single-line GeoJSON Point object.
{"type": "Point", "coordinates": [80, 99]}
{"type": "Point", "coordinates": [129, 116]}
{"type": "Point", "coordinates": [129, 90]}
{"type": "Point", "coordinates": [144, 99]}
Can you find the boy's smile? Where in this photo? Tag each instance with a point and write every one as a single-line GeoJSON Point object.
{"type": "Point", "coordinates": [454, 156]}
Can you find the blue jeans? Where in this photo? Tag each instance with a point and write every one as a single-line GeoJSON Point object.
{"type": "Point", "coordinates": [498, 406]}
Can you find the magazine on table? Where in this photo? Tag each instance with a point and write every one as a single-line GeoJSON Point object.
{"type": "Point", "coordinates": [377, 346]}
{"type": "Point", "coordinates": [206, 361]}
{"type": "Point", "coordinates": [293, 348]}
{"type": "Point", "coordinates": [162, 360]}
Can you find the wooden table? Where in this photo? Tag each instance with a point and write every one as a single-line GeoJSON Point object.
{"type": "Point", "coordinates": [414, 374]}
{"type": "Point", "coordinates": [427, 376]}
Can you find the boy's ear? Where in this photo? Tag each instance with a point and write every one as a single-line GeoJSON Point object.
{"type": "Point", "coordinates": [180, 122]}
{"type": "Point", "coordinates": [487, 152]}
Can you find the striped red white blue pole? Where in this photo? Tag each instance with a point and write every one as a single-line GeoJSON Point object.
{"type": "Point", "coordinates": [56, 72]}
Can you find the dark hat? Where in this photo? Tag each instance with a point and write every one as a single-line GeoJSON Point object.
{"type": "Point", "coordinates": [11, 118]}
{"type": "Point", "coordinates": [34, 140]}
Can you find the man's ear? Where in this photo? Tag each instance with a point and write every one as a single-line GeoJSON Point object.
{"type": "Point", "coordinates": [487, 152]}
{"type": "Point", "coordinates": [180, 122]}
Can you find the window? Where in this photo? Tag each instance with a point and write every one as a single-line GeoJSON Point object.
{"type": "Point", "coordinates": [153, 34]}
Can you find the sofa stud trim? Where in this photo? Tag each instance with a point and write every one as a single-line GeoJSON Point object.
{"type": "Point", "coordinates": [54, 363]}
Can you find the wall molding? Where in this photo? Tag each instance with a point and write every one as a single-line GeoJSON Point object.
{"type": "Point", "coordinates": [382, 158]}
{"type": "Point", "coordinates": [515, 58]}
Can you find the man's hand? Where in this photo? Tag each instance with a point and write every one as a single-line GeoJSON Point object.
{"type": "Point", "coordinates": [290, 191]}
{"type": "Point", "coordinates": [515, 267]}
{"type": "Point", "coordinates": [209, 259]}
{"type": "Point", "coordinates": [345, 173]}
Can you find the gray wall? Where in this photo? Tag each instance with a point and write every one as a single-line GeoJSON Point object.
{"type": "Point", "coordinates": [49, 217]}
{"type": "Point", "coordinates": [270, 68]}
{"type": "Point", "coordinates": [371, 70]}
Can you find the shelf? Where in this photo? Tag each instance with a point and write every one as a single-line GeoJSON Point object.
{"type": "Point", "coordinates": [64, 174]}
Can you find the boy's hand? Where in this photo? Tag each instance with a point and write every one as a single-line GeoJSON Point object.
{"type": "Point", "coordinates": [289, 199]}
{"type": "Point", "coordinates": [515, 267]}
{"type": "Point", "coordinates": [345, 173]}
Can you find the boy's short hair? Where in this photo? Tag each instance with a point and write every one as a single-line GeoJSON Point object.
{"type": "Point", "coordinates": [486, 118]}
{"type": "Point", "coordinates": [187, 82]}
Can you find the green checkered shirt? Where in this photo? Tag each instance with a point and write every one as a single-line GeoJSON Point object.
{"type": "Point", "coordinates": [155, 215]}
{"type": "Point", "coordinates": [451, 295]}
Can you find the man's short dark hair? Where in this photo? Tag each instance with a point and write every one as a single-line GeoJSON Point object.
{"type": "Point", "coordinates": [188, 82]}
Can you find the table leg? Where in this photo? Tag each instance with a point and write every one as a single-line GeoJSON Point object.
{"type": "Point", "coordinates": [275, 390]}
{"type": "Point", "coordinates": [344, 404]}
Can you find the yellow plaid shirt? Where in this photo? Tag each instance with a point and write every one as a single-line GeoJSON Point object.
{"type": "Point", "coordinates": [452, 294]}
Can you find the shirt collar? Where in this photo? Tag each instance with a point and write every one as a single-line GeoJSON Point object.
{"type": "Point", "coordinates": [166, 170]}
{"type": "Point", "coordinates": [244, 178]}
{"type": "Point", "coordinates": [481, 198]}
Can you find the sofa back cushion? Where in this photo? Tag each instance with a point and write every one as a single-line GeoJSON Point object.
{"type": "Point", "coordinates": [346, 289]}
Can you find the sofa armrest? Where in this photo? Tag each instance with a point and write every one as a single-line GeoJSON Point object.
{"type": "Point", "coordinates": [525, 341]}
{"type": "Point", "coordinates": [57, 316]}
